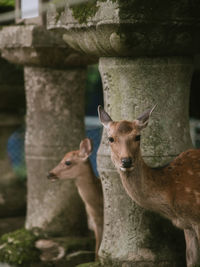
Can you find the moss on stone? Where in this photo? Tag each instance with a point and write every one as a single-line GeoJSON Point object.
{"type": "Point", "coordinates": [18, 248]}
{"type": "Point", "coordinates": [82, 12]}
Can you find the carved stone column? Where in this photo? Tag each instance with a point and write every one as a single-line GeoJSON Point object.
{"type": "Point", "coordinates": [144, 49]}
{"type": "Point", "coordinates": [54, 83]}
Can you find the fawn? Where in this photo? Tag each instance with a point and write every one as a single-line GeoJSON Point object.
{"type": "Point", "coordinates": [173, 191]}
{"type": "Point", "coordinates": [76, 165]}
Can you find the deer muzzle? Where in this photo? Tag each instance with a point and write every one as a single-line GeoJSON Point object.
{"type": "Point", "coordinates": [51, 176]}
{"type": "Point", "coordinates": [126, 162]}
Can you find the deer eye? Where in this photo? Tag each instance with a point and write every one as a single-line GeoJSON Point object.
{"type": "Point", "coordinates": [68, 162]}
{"type": "Point", "coordinates": [111, 139]}
{"type": "Point", "coordinates": [137, 138]}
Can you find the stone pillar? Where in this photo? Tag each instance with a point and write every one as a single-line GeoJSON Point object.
{"type": "Point", "coordinates": [55, 125]}
{"type": "Point", "coordinates": [54, 84]}
{"type": "Point", "coordinates": [144, 49]}
{"type": "Point", "coordinates": [147, 239]}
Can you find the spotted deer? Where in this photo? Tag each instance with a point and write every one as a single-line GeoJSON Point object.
{"type": "Point", "coordinates": [76, 165]}
{"type": "Point", "coordinates": [172, 191]}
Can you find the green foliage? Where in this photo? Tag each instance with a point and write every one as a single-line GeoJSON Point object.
{"type": "Point", "coordinates": [10, 3]}
{"type": "Point", "coordinates": [82, 12]}
{"type": "Point", "coordinates": [18, 248]}
{"type": "Point", "coordinates": [92, 77]}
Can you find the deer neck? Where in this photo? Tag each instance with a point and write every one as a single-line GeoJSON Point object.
{"type": "Point", "coordinates": [86, 175]}
{"type": "Point", "coordinates": [138, 181]}
{"type": "Point", "coordinates": [86, 183]}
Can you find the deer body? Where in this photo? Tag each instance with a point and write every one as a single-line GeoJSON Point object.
{"type": "Point", "coordinates": [172, 191]}
{"type": "Point", "coordinates": [76, 165]}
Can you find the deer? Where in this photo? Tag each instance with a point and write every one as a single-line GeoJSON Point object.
{"type": "Point", "coordinates": [76, 165]}
{"type": "Point", "coordinates": [173, 190]}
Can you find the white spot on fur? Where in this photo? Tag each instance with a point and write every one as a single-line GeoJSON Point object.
{"type": "Point", "coordinates": [187, 190]}
{"type": "Point", "coordinates": [197, 196]}
{"type": "Point", "coordinates": [190, 172]}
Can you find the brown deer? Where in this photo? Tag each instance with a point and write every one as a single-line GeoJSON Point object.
{"type": "Point", "coordinates": [76, 165]}
{"type": "Point", "coordinates": [172, 191]}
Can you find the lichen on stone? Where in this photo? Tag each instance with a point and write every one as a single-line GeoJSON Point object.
{"type": "Point", "coordinates": [83, 11]}
{"type": "Point", "coordinates": [18, 248]}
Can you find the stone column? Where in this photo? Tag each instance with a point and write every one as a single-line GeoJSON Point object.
{"type": "Point", "coordinates": [147, 239]}
{"type": "Point", "coordinates": [54, 83]}
{"type": "Point", "coordinates": [144, 49]}
{"type": "Point", "coordinates": [55, 125]}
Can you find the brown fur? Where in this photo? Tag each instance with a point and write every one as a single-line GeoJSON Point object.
{"type": "Point", "coordinates": [88, 185]}
{"type": "Point", "coordinates": [173, 191]}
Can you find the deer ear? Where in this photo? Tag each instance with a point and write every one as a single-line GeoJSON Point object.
{"type": "Point", "coordinates": [85, 149]}
{"type": "Point", "coordinates": [143, 119]}
{"type": "Point", "coordinates": [104, 118]}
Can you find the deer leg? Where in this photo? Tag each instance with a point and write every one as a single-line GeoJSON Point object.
{"type": "Point", "coordinates": [98, 237]}
{"type": "Point", "coordinates": [97, 242]}
{"type": "Point", "coordinates": [192, 248]}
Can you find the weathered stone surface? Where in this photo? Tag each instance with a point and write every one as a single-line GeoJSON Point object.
{"type": "Point", "coordinates": [133, 236]}
{"type": "Point", "coordinates": [55, 125]}
{"type": "Point", "coordinates": [66, 250]}
{"type": "Point", "coordinates": [34, 45]}
{"type": "Point", "coordinates": [133, 28]}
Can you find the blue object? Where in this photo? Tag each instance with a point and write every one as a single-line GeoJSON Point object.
{"type": "Point", "coordinates": [15, 149]}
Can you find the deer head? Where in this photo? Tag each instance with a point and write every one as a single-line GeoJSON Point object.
{"type": "Point", "coordinates": [71, 166]}
{"type": "Point", "coordinates": [124, 138]}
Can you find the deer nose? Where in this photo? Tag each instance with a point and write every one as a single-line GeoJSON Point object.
{"type": "Point", "coordinates": [51, 176]}
{"type": "Point", "coordinates": [126, 162]}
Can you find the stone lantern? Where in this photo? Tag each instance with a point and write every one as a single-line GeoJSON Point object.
{"type": "Point", "coordinates": [145, 51]}
{"type": "Point", "coordinates": [54, 83]}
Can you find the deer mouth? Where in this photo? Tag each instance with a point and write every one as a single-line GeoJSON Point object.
{"type": "Point", "coordinates": [123, 169]}
{"type": "Point", "coordinates": [52, 177]}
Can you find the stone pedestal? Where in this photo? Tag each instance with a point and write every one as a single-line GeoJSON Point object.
{"type": "Point", "coordinates": [54, 82]}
